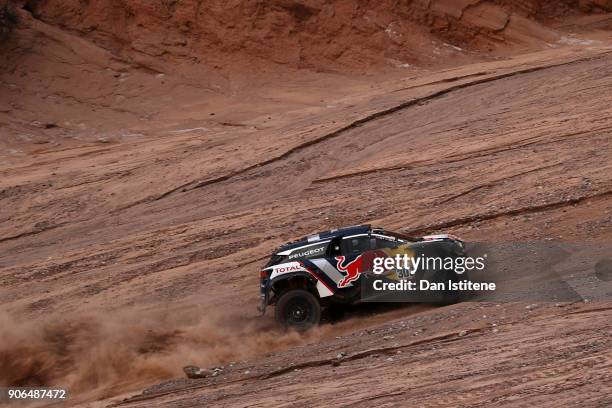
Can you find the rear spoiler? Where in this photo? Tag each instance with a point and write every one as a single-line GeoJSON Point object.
{"type": "Point", "coordinates": [441, 236]}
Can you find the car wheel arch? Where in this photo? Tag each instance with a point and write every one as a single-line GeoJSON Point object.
{"type": "Point", "coordinates": [298, 280]}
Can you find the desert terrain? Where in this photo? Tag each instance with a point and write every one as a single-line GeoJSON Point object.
{"type": "Point", "coordinates": [154, 154]}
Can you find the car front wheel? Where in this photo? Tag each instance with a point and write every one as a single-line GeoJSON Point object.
{"type": "Point", "coordinates": [298, 309]}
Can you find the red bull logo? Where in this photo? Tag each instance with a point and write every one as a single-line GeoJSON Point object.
{"type": "Point", "coordinates": [352, 270]}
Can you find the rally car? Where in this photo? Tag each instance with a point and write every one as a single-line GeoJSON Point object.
{"type": "Point", "coordinates": [332, 267]}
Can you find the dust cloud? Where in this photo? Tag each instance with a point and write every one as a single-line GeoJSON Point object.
{"type": "Point", "coordinates": [101, 355]}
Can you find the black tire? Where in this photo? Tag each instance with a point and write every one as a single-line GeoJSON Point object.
{"type": "Point", "coordinates": [450, 297]}
{"type": "Point", "coordinates": [298, 309]}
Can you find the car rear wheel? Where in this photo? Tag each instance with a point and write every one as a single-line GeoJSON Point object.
{"type": "Point", "coordinates": [298, 309]}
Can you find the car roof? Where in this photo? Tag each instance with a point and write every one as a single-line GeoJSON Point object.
{"type": "Point", "coordinates": [327, 235]}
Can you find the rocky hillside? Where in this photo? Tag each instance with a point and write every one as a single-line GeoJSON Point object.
{"type": "Point", "coordinates": [324, 34]}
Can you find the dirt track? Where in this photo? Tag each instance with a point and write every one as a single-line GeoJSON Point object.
{"type": "Point", "coordinates": [167, 224]}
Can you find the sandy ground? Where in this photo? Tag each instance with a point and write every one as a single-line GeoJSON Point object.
{"type": "Point", "coordinates": [130, 241]}
{"type": "Point", "coordinates": [469, 355]}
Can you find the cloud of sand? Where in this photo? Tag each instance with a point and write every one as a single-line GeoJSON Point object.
{"type": "Point", "coordinates": [101, 355]}
{"type": "Point", "coordinates": [97, 356]}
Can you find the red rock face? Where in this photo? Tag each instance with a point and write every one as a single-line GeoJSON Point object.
{"type": "Point", "coordinates": [313, 33]}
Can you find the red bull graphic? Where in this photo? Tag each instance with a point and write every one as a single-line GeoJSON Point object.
{"type": "Point", "coordinates": [352, 269]}
{"type": "Point", "coordinates": [363, 263]}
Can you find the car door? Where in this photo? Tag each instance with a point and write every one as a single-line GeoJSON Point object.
{"type": "Point", "coordinates": [341, 265]}
{"type": "Point", "coordinates": [350, 261]}
{"type": "Point", "coordinates": [387, 246]}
